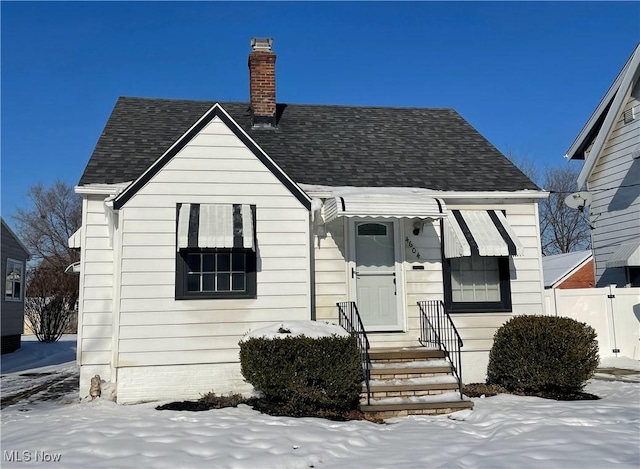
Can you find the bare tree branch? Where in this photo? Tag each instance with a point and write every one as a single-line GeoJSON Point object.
{"type": "Point", "coordinates": [562, 229]}
{"type": "Point", "coordinates": [45, 228]}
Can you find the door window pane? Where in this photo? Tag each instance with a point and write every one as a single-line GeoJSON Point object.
{"type": "Point", "coordinates": [372, 229]}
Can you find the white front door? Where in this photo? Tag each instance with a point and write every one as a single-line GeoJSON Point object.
{"type": "Point", "coordinates": [375, 275]}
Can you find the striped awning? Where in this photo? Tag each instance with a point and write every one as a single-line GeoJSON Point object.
{"type": "Point", "coordinates": [383, 206]}
{"type": "Point", "coordinates": [627, 255]}
{"type": "Point", "coordinates": [479, 232]}
{"type": "Point", "coordinates": [215, 226]}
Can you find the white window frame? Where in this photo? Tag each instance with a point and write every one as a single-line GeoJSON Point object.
{"type": "Point", "coordinates": [9, 294]}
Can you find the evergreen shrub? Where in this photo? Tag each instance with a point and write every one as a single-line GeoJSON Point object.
{"type": "Point", "coordinates": [543, 354]}
{"type": "Point", "coordinates": [303, 375]}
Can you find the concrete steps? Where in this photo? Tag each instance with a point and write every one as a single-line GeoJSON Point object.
{"type": "Point", "coordinates": [411, 381]}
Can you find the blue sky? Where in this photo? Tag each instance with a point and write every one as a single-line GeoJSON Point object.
{"type": "Point", "coordinates": [527, 75]}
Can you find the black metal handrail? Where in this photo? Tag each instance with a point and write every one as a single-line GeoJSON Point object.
{"type": "Point", "coordinates": [350, 320]}
{"type": "Point", "coordinates": [437, 328]}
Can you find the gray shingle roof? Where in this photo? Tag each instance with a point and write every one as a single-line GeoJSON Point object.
{"type": "Point", "coordinates": [316, 144]}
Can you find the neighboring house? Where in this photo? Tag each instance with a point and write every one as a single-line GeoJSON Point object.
{"type": "Point", "coordinates": [569, 270]}
{"type": "Point", "coordinates": [609, 144]}
{"type": "Point", "coordinates": [204, 220]}
{"type": "Point", "coordinates": [14, 259]}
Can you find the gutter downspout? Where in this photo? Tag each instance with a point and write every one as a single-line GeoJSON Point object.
{"type": "Point", "coordinates": [115, 241]}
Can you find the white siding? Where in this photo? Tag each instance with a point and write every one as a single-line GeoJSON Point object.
{"type": "Point", "coordinates": [154, 327]}
{"type": "Point", "coordinates": [96, 290]}
{"type": "Point", "coordinates": [617, 210]}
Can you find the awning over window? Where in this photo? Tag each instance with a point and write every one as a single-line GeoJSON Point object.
{"type": "Point", "coordinates": [215, 226]}
{"type": "Point", "coordinates": [479, 232]}
{"type": "Point", "coordinates": [627, 255]}
{"type": "Point", "coordinates": [383, 206]}
{"type": "Point", "coordinates": [75, 241]}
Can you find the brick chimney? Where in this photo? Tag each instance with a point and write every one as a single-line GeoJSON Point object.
{"type": "Point", "coordinates": [262, 83]}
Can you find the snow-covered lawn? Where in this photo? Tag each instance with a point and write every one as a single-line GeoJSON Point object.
{"type": "Point", "coordinates": [501, 432]}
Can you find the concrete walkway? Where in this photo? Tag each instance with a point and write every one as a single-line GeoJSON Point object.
{"type": "Point", "coordinates": [617, 374]}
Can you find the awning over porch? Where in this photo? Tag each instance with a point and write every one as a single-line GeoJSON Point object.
{"type": "Point", "coordinates": [627, 255]}
{"type": "Point", "coordinates": [383, 206]}
{"type": "Point", "coordinates": [479, 232]}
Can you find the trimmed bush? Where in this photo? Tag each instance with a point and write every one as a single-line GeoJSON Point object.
{"type": "Point", "coordinates": [543, 353]}
{"type": "Point", "coordinates": [303, 375]}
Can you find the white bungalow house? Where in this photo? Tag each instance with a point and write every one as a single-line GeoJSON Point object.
{"type": "Point", "coordinates": [204, 220]}
{"type": "Point", "coordinates": [609, 144]}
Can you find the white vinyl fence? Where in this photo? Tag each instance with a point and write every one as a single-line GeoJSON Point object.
{"type": "Point", "coordinates": [613, 312]}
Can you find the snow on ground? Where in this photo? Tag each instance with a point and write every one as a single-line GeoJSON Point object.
{"type": "Point", "coordinates": [34, 354]}
{"type": "Point", "coordinates": [504, 431]}
{"type": "Point", "coordinates": [501, 432]}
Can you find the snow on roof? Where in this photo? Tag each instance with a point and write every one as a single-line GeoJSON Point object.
{"type": "Point", "coordinates": [558, 266]}
{"type": "Point", "coordinates": [282, 330]}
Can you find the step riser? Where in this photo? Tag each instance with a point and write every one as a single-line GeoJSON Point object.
{"type": "Point", "coordinates": [402, 360]}
{"type": "Point", "coordinates": [384, 394]}
{"type": "Point", "coordinates": [387, 414]}
{"type": "Point", "coordinates": [387, 376]}
{"type": "Point", "coordinates": [407, 355]}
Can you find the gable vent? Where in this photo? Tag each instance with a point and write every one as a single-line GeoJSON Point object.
{"type": "Point", "coordinates": [629, 115]}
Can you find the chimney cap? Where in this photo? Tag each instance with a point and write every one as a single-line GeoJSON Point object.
{"type": "Point", "coordinates": [261, 43]}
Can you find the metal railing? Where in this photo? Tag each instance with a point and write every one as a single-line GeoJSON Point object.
{"type": "Point", "coordinates": [437, 328]}
{"type": "Point", "coordinates": [350, 320]}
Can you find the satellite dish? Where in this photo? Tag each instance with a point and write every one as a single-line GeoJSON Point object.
{"type": "Point", "coordinates": [579, 200]}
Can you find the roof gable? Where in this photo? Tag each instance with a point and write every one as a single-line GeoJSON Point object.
{"type": "Point", "coordinates": [215, 111]}
{"type": "Point", "coordinates": [15, 237]}
{"type": "Point", "coordinates": [319, 145]}
{"type": "Point", "coordinates": [601, 123]}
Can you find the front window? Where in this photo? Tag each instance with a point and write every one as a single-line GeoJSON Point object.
{"type": "Point", "coordinates": [478, 283]}
{"type": "Point", "coordinates": [215, 273]}
{"type": "Point", "coordinates": [14, 280]}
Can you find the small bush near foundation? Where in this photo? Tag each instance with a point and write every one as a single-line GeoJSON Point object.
{"type": "Point", "coordinates": [543, 354]}
{"type": "Point", "coordinates": [220, 402]}
{"type": "Point", "coordinates": [302, 376]}
{"type": "Point", "coordinates": [483, 389]}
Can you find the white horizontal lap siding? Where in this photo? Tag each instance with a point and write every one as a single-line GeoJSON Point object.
{"type": "Point", "coordinates": [96, 303]}
{"type": "Point", "coordinates": [615, 223]}
{"type": "Point", "coordinates": [330, 271]}
{"type": "Point", "coordinates": [423, 250]}
{"type": "Point", "coordinates": [154, 327]}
